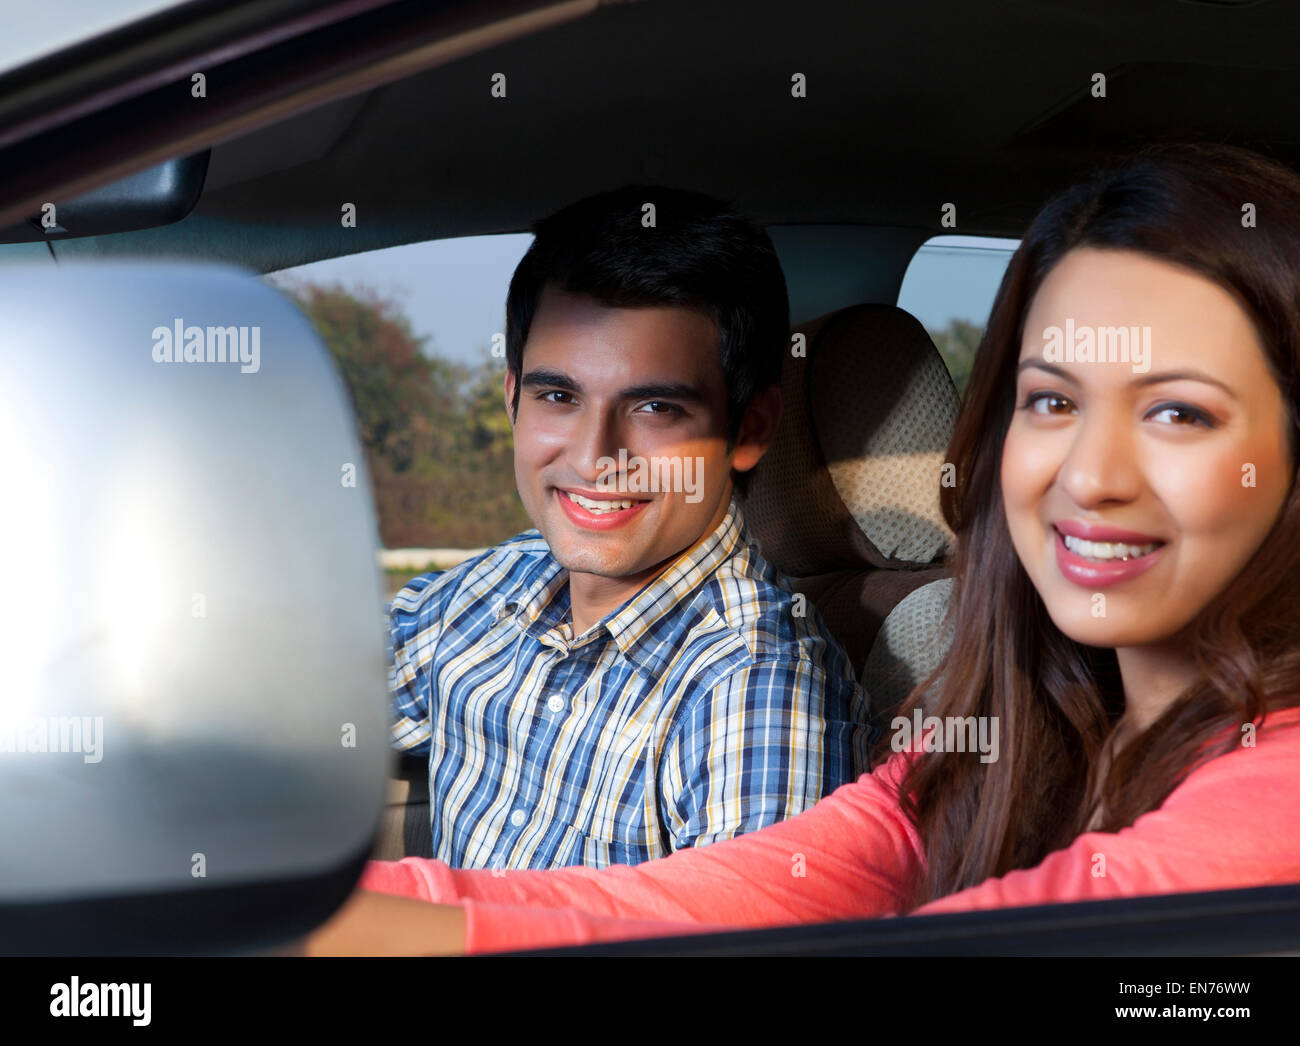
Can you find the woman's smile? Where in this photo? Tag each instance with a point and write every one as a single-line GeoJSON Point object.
{"type": "Point", "coordinates": [1095, 565]}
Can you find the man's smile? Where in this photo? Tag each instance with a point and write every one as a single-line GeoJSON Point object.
{"type": "Point", "coordinates": [593, 511]}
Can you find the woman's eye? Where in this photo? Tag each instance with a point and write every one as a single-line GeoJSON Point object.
{"type": "Point", "coordinates": [1040, 397]}
{"type": "Point", "coordinates": [1191, 415]}
{"type": "Point", "coordinates": [1183, 414]}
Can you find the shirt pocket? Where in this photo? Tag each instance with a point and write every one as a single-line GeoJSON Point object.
{"type": "Point", "coordinates": [601, 838]}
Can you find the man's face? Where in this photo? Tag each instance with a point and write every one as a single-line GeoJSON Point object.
{"type": "Point", "coordinates": [622, 407]}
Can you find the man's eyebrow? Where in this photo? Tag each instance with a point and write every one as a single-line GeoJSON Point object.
{"type": "Point", "coordinates": [551, 378]}
{"type": "Point", "coordinates": [1146, 379]}
{"type": "Point", "coordinates": [664, 390]}
{"type": "Point", "coordinates": [668, 390]}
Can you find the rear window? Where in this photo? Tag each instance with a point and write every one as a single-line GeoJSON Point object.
{"type": "Point", "coordinates": [949, 286]}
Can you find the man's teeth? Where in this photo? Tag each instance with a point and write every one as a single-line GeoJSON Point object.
{"type": "Point", "coordinates": [1107, 549]}
{"type": "Point", "coordinates": [598, 507]}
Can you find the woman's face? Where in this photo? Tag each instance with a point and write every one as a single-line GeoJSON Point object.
{"type": "Point", "coordinates": [1170, 434]}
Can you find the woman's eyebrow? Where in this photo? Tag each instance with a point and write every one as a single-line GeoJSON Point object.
{"type": "Point", "coordinates": [1183, 375]}
{"type": "Point", "coordinates": [1051, 368]}
{"type": "Point", "coordinates": [1145, 379]}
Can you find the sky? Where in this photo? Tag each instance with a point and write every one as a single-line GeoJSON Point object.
{"type": "Point", "coordinates": [454, 290]}
{"type": "Point", "coordinates": [27, 33]}
{"type": "Point", "coordinates": [954, 277]}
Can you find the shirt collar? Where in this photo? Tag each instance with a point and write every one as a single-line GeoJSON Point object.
{"type": "Point", "coordinates": [543, 602]}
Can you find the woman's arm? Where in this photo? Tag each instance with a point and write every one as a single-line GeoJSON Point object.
{"type": "Point", "coordinates": [383, 924]}
{"type": "Point", "coordinates": [851, 856]}
{"type": "Point", "coordinates": [1234, 822]}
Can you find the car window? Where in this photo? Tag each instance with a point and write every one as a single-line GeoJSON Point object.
{"type": "Point", "coordinates": [949, 286]}
{"type": "Point", "coordinates": [417, 332]}
{"type": "Point", "coordinates": [24, 38]}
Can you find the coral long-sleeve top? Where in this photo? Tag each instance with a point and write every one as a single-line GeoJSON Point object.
{"type": "Point", "coordinates": [1233, 822]}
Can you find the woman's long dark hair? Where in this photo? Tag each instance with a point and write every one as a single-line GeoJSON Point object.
{"type": "Point", "coordinates": [1058, 700]}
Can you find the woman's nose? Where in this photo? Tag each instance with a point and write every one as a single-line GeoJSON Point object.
{"type": "Point", "coordinates": [1102, 464]}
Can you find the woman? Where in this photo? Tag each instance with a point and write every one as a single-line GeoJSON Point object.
{"type": "Point", "coordinates": [1126, 611]}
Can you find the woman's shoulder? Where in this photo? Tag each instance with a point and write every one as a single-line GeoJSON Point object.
{"type": "Point", "coordinates": [1253, 782]}
{"type": "Point", "coordinates": [1275, 731]}
{"type": "Point", "coordinates": [1232, 823]}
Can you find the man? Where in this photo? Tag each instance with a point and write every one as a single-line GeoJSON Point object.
{"type": "Point", "coordinates": [631, 677]}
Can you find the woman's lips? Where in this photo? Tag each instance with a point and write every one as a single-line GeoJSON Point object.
{"type": "Point", "coordinates": [1093, 573]}
{"type": "Point", "coordinates": [1101, 532]}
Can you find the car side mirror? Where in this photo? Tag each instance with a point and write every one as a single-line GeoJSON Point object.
{"type": "Point", "coordinates": [193, 699]}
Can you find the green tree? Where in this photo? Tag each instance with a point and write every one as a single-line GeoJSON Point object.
{"type": "Point", "coordinates": [957, 344]}
{"type": "Point", "coordinates": [437, 441]}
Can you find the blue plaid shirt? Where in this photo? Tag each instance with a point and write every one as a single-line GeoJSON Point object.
{"type": "Point", "coordinates": [704, 707]}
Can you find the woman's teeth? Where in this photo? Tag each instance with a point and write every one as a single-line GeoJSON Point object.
{"type": "Point", "coordinates": [598, 507]}
{"type": "Point", "coordinates": [1107, 549]}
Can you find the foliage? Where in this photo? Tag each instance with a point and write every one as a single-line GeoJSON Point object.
{"type": "Point", "coordinates": [957, 344]}
{"type": "Point", "coordinates": [437, 440]}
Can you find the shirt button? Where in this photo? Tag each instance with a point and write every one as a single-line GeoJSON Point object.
{"type": "Point", "coordinates": [555, 703]}
{"type": "Point", "coordinates": [518, 817]}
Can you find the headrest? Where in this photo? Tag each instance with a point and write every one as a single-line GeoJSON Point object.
{"type": "Point", "coordinates": [853, 475]}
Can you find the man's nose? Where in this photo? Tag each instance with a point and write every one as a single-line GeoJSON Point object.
{"type": "Point", "coordinates": [596, 439]}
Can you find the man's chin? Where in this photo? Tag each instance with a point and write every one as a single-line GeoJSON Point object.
{"type": "Point", "coordinates": [587, 562]}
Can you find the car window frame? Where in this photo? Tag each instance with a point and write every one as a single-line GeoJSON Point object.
{"type": "Point", "coordinates": [1257, 920]}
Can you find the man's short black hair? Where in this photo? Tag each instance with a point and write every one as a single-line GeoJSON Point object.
{"type": "Point", "coordinates": [698, 253]}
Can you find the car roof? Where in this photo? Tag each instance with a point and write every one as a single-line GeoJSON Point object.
{"type": "Point", "coordinates": [988, 107]}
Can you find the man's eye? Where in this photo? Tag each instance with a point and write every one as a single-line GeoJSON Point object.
{"type": "Point", "coordinates": [553, 392]}
{"type": "Point", "coordinates": [663, 408]}
{"type": "Point", "coordinates": [1038, 397]}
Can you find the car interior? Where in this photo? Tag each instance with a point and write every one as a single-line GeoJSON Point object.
{"type": "Point", "coordinates": [853, 138]}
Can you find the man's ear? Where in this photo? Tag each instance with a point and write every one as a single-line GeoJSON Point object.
{"type": "Point", "coordinates": [510, 396]}
{"type": "Point", "coordinates": [757, 429]}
